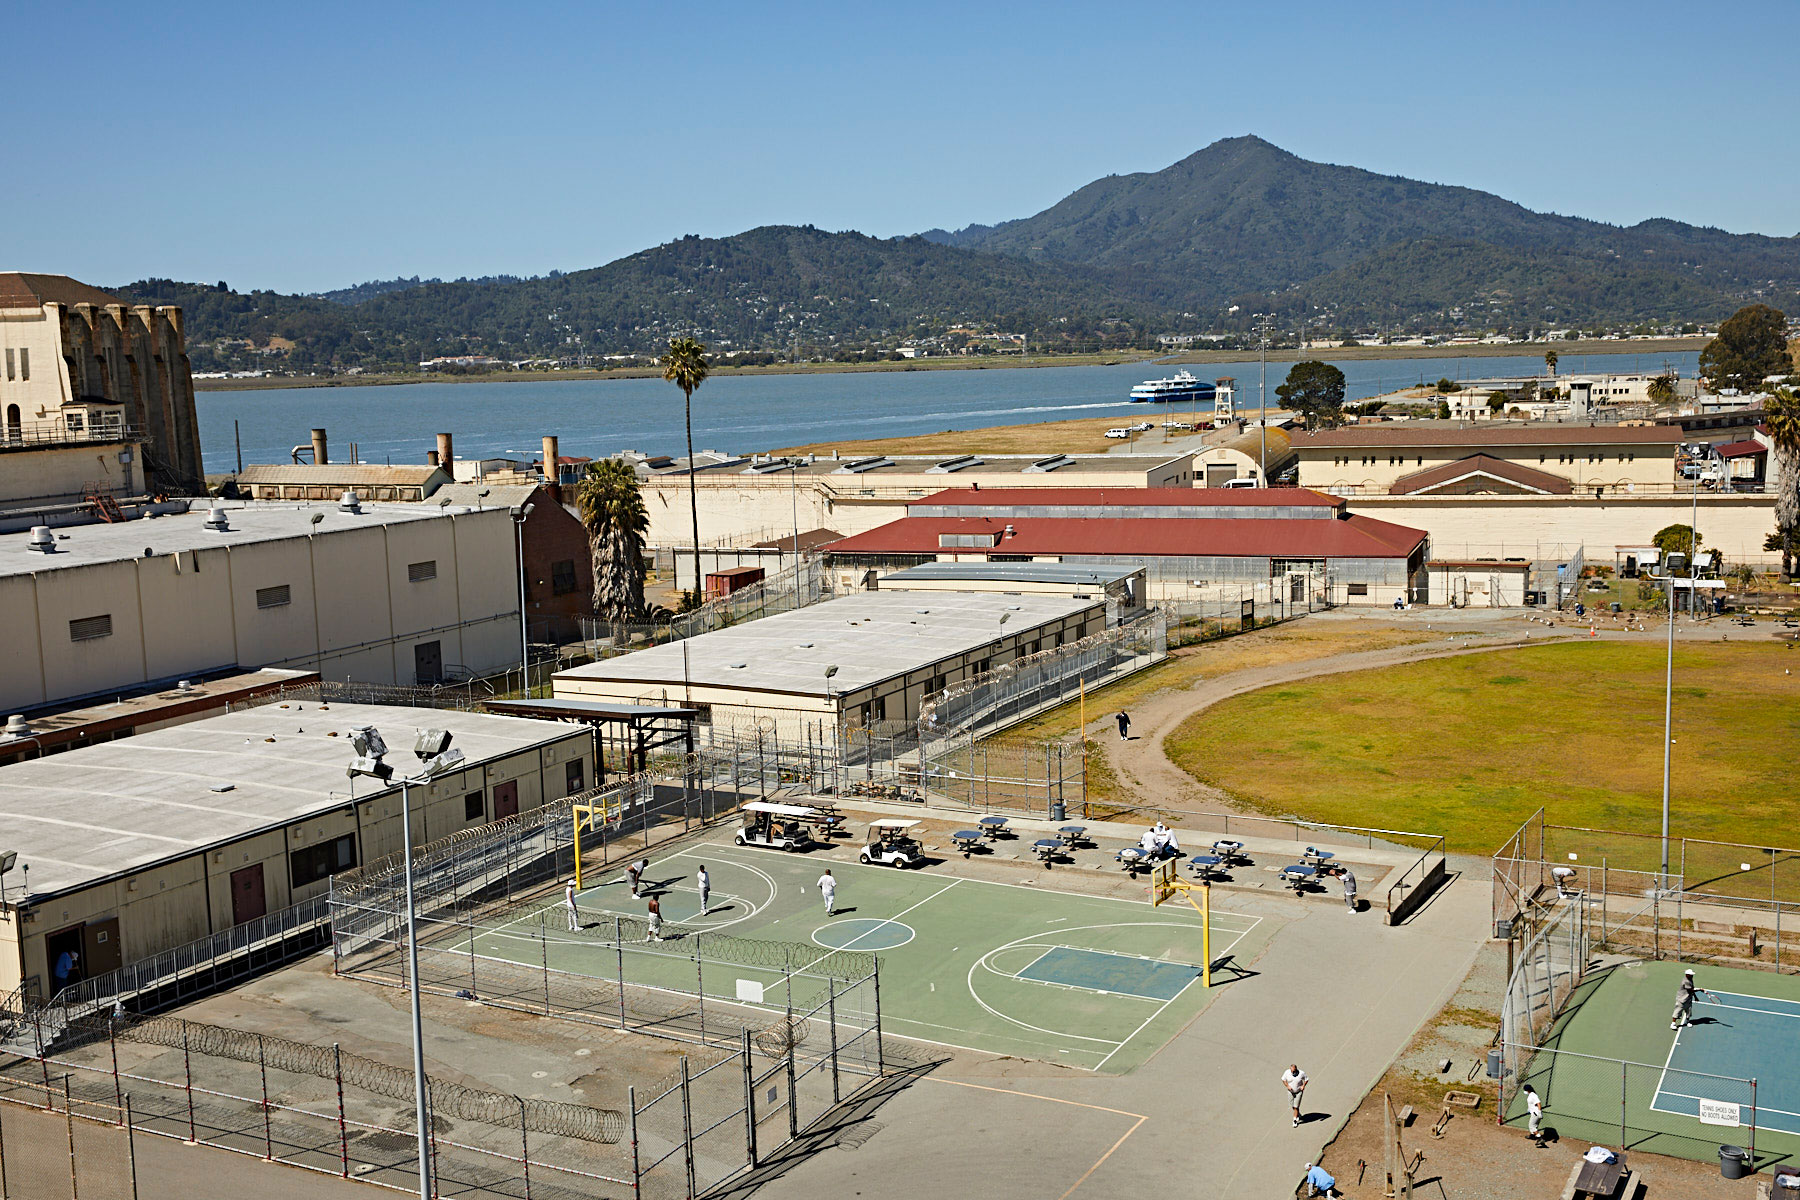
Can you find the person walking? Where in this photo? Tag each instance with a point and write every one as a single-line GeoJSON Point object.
{"type": "Point", "coordinates": [655, 933]}
{"type": "Point", "coordinates": [1124, 720]}
{"type": "Point", "coordinates": [1295, 1081]}
{"type": "Point", "coordinates": [828, 889]}
{"type": "Point", "coordinates": [1534, 1113]}
{"type": "Point", "coordinates": [635, 873]}
{"type": "Point", "coordinates": [569, 903]}
{"type": "Point", "coordinates": [1349, 881]}
{"type": "Point", "coordinates": [705, 882]}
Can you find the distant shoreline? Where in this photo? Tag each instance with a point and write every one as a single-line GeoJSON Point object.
{"type": "Point", "coordinates": [1676, 345]}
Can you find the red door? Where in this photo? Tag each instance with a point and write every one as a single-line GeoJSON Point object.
{"type": "Point", "coordinates": [248, 900]}
{"type": "Point", "coordinates": [506, 799]}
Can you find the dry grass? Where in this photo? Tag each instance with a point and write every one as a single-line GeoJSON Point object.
{"type": "Point", "coordinates": [1084, 436]}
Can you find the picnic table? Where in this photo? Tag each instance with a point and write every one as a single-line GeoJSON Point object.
{"type": "Point", "coordinates": [1228, 849]}
{"type": "Point", "coordinates": [992, 826]}
{"type": "Point", "coordinates": [1206, 865]}
{"type": "Point", "coordinates": [1298, 876]}
{"type": "Point", "coordinates": [1072, 834]}
{"type": "Point", "coordinates": [1315, 857]}
{"type": "Point", "coordinates": [1047, 848]}
{"type": "Point", "coordinates": [1597, 1179]}
{"type": "Point", "coordinates": [1133, 860]}
{"type": "Point", "coordinates": [966, 840]}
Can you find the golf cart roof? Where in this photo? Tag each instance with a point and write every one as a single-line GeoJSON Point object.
{"type": "Point", "coordinates": [891, 823]}
{"type": "Point", "coordinates": [780, 810]}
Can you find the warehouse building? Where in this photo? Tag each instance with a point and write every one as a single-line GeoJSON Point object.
{"type": "Point", "coordinates": [859, 659]}
{"type": "Point", "coordinates": [1417, 458]}
{"type": "Point", "coordinates": [137, 846]}
{"type": "Point", "coordinates": [394, 593]}
{"type": "Point", "coordinates": [1122, 591]}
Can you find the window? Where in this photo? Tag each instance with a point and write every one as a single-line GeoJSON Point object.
{"type": "Point", "coordinates": [562, 577]}
{"type": "Point", "coordinates": [273, 597]}
{"type": "Point", "coordinates": [9, 364]}
{"type": "Point", "coordinates": [86, 629]}
{"type": "Point", "coordinates": [474, 806]}
{"type": "Point", "coordinates": [25, 362]}
{"type": "Point", "coordinates": [574, 776]}
{"type": "Point", "coordinates": [419, 572]}
{"type": "Point", "coordinates": [313, 863]}
{"type": "Point", "coordinates": [1359, 589]}
{"type": "Point", "coordinates": [702, 713]}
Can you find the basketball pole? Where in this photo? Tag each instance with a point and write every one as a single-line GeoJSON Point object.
{"type": "Point", "coordinates": [1206, 935]}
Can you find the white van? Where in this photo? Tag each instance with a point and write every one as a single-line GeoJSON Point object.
{"type": "Point", "coordinates": [1118, 433]}
{"type": "Point", "coordinates": [1240, 482]}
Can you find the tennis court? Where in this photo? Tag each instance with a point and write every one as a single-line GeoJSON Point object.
{"type": "Point", "coordinates": [1682, 1092]}
{"type": "Point", "coordinates": [1087, 981]}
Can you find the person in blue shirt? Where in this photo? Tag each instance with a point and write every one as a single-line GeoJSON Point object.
{"type": "Point", "coordinates": [1318, 1183]}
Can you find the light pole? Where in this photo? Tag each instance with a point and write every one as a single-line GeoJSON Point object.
{"type": "Point", "coordinates": [435, 757]}
{"type": "Point", "coordinates": [1669, 668]}
{"type": "Point", "coordinates": [794, 502]}
{"type": "Point", "coordinates": [518, 517]}
{"type": "Point", "coordinates": [1262, 399]}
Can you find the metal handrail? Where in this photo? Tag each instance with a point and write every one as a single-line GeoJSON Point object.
{"type": "Point", "coordinates": [54, 436]}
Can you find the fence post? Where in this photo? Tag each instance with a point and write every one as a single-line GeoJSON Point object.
{"type": "Point", "coordinates": [1778, 937]}
{"type": "Point", "coordinates": [687, 1126]}
{"type": "Point", "coordinates": [793, 1090]}
{"type": "Point", "coordinates": [831, 1020]}
{"type": "Point", "coordinates": [262, 1066]}
{"type": "Point", "coordinates": [3, 1191]}
{"type": "Point", "coordinates": [880, 1054]}
{"type": "Point", "coordinates": [187, 1067]}
{"type": "Point", "coordinates": [524, 1148]}
{"type": "Point", "coordinates": [699, 992]}
{"type": "Point", "coordinates": [1624, 1101]}
{"type": "Point", "coordinates": [1678, 919]}
{"type": "Point", "coordinates": [749, 1097]}
{"type": "Point", "coordinates": [619, 948]}
{"type": "Point", "coordinates": [472, 987]}
{"type": "Point", "coordinates": [112, 1038]}
{"type": "Point", "coordinates": [37, 1020]}
{"type": "Point", "coordinates": [69, 1117]}
{"type": "Point", "coordinates": [130, 1151]}
{"type": "Point", "coordinates": [337, 1070]}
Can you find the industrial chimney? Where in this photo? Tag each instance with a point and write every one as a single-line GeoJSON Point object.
{"type": "Point", "coordinates": [431, 458]}
{"type": "Point", "coordinates": [318, 440]}
{"type": "Point", "coordinates": [552, 469]}
{"type": "Point", "coordinates": [446, 457]}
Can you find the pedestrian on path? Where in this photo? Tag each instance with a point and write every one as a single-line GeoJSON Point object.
{"type": "Point", "coordinates": [569, 901]}
{"type": "Point", "coordinates": [1349, 880]}
{"type": "Point", "coordinates": [635, 873]}
{"type": "Point", "coordinates": [828, 889]}
{"type": "Point", "coordinates": [655, 934]}
{"type": "Point", "coordinates": [705, 882]}
{"type": "Point", "coordinates": [1124, 720]}
{"type": "Point", "coordinates": [1295, 1081]}
{"type": "Point", "coordinates": [1534, 1110]}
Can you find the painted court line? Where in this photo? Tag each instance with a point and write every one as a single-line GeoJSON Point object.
{"type": "Point", "coordinates": [1139, 1120]}
{"type": "Point", "coordinates": [896, 917]}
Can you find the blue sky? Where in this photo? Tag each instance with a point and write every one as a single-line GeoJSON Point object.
{"type": "Point", "coordinates": [313, 146]}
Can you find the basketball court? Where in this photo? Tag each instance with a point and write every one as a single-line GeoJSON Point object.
{"type": "Point", "coordinates": [1021, 969]}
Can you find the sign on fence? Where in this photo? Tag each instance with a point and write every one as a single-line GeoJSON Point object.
{"type": "Point", "coordinates": [1718, 1112]}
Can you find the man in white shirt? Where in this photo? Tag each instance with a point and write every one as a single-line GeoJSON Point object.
{"type": "Point", "coordinates": [1534, 1109]}
{"type": "Point", "coordinates": [1295, 1081]}
{"type": "Point", "coordinates": [828, 889]}
{"type": "Point", "coordinates": [569, 902]}
{"type": "Point", "coordinates": [635, 873]}
{"type": "Point", "coordinates": [705, 882]}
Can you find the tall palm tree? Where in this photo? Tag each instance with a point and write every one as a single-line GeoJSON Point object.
{"type": "Point", "coordinates": [1662, 389]}
{"type": "Point", "coordinates": [1781, 416]}
{"type": "Point", "coordinates": [685, 366]}
{"type": "Point", "coordinates": [612, 511]}
{"type": "Point", "coordinates": [1550, 357]}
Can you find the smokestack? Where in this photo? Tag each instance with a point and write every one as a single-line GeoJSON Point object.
{"type": "Point", "coordinates": [318, 440]}
{"type": "Point", "coordinates": [445, 456]}
{"type": "Point", "coordinates": [431, 458]}
{"type": "Point", "coordinates": [552, 470]}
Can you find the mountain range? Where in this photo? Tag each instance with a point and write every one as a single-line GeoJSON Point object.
{"type": "Point", "coordinates": [1240, 224]}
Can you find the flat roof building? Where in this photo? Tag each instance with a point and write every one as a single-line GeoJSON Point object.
{"type": "Point", "coordinates": [1121, 589]}
{"type": "Point", "coordinates": [890, 650]}
{"type": "Point", "coordinates": [1428, 456]}
{"type": "Point", "coordinates": [384, 593]}
{"type": "Point", "coordinates": [137, 846]}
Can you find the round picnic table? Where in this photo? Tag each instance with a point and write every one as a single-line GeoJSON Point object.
{"type": "Point", "coordinates": [1204, 865]}
{"type": "Point", "coordinates": [1046, 849]}
{"type": "Point", "coordinates": [966, 840]}
{"type": "Point", "coordinates": [1298, 875]}
{"type": "Point", "coordinates": [992, 826]}
{"type": "Point", "coordinates": [1072, 833]}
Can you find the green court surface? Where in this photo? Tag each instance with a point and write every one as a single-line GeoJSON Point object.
{"type": "Point", "coordinates": [1086, 981]}
{"type": "Point", "coordinates": [1746, 1026]}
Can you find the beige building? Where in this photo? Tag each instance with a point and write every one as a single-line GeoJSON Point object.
{"type": "Point", "coordinates": [861, 659]}
{"type": "Point", "coordinates": [76, 362]}
{"type": "Point", "coordinates": [398, 593]}
{"type": "Point", "coordinates": [137, 846]}
{"type": "Point", "coordinates": [1420, 457]}
{"type": "Point", "coordinates": [745, 500]}
{"type": "Point", "coordinates": [328, 481]}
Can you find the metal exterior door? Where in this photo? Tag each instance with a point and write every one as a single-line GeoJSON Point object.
{"type": "Point", "coordinates": [428, 663]}
{"type": "Point", "coordinates": [506, 799]}
{"type": "Point", "coordinates": [100, 946]}
{"type": "Point", "coordinates": [248, 900]}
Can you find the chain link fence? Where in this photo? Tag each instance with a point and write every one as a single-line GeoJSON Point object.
{"type": "Point", "coordinates": [803, 583]}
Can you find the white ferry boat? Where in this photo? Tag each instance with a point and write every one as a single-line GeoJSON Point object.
{"type": "Point", "coordinates": [1180, 388]}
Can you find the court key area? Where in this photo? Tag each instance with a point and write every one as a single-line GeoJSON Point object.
{"type": "Point", "coordinates": [1090, 982]}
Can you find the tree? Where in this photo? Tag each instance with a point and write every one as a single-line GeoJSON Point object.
{"type": "Point", "coordinates": [685, 367]}
{"type": "Point", "coordinates": [1443, 410]}
{"type": "Point", "coordinates": [1781, 417]}
{"type": "Point", "coordinates": [1496, 401]}
{"type": "Point", "coordinates": [1662, 389]}
{"type": "Point", "coordinates": [1752, 345]}
{"type": "Point", "coordinates": [1550, 360]}
{"type": "Point", "coordinates": [1315, 390]}
{"type": "Point", "coordinates": [612, 511]}
{"type": "Point", "coordinates": [1446, 385]}
{"type": "Point", "coordinates": [1677, 539]}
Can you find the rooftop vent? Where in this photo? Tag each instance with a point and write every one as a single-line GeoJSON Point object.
{"type": "Point", "coordinates": [1044, 466]}
{"type": "Point", "coordinates": [768, 467]}
{"type": "Point", "coordinates": [952, 465]}
{"type": "Point", "coordinates": [42, 540]}
{"type": "Point", "coordinates": [857, 466]}
{"type": "Point", "coordinates": [1011, 532]}
{"type": "Point", "coordinates": [186, 685]}
{"type": "Point", "coordinates": [17, 726]}
{"type": "Point", "coordinates": [215, 518]}
{"type": "Point", "coordinates": [350, 502]}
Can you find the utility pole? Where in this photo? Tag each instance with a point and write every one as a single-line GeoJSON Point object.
{"type": "Point", "coordinates": [1262, 398]}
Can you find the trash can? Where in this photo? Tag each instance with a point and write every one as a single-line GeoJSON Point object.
{"type": "Point", "coordinates": [1734, 1162]}
{"type": "Point", "coordinates": [1496, 1065]}
{"type": "Point", "coordinates": [1615, 606]}
{"type": "Point", "coordinates": [1058, 810]}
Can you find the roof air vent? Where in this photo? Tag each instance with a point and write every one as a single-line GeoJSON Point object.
{"type": "Point", "coordinates": [17, 726]}
{"type": "Point", "coordinates": [42, 540]}
{"type": "Point", "coordinates": [350, 502]}
{"type": "Point", "coordinates": [215, 518]}
{"type": "Point", "coordinates": [186, 685]}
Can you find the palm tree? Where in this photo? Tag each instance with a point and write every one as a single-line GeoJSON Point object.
{"type": "Point", "coordinates": [1662, 389]}
{"type": "Point", "coordinates": [1781, 416]}
{"type": "Point", "coordinates": [612, 511]}
{"type": "Point", "coordinates": [685, 367]}
{"type": "Point", "coordinates": [1550, 357]}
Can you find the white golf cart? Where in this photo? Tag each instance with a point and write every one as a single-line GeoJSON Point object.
{"type": "Point", "coordinates": [776, 826]}
{"type": "Point", "coordinates": [890, 844]}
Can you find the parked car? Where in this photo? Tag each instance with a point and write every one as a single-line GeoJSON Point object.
{"type": "Point", "coordinates": [1120, 432]}
{"type": "Point", "coordinates": [1242, 481]}
{"type": "Point", "coordinates": [1141, 426]}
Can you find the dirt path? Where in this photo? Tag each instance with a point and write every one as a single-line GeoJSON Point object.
{"type": "Point", "coordinates": [1143, 765]}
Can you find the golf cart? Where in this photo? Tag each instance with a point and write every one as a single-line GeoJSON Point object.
{"type": "Point", "coordinates": [776, 826]}
{"type": "Point", "coordinates": [890, 844]}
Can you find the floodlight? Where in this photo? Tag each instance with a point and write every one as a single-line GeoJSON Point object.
{"type": "Point", "coordinates": [7, 859]}
{"type": "Point", "coordinates": [367, 740]}
{"type": "Point", "coordinates": [831, 670]}
{"type": "Point", "coordinates": [431, 742]}
{"type": "Point", "coordinates": [370, 765]}
{"type": "Point", "coordinates": [1004, 616]}
{"type": "Point", "coordinates": [438, 764]}
{"type": "Point", "coordinates": [317, 517]}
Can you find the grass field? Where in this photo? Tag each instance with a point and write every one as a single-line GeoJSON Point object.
{"type": "Point", "coordinates": [1085, 981]}
{"type": "Point", "coordinates": [1747, 1028]}
{"type": "Point", "coordinates": [1472, 746]}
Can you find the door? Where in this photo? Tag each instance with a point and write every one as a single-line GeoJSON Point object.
{"type": "Point", "coordinates": [100, 940]}
{"type": "Point", "coordinates": [248, 900]}
{"type": "Point", "coordinates": [428, 663]}
{"type": "Point", "coordinates": [65, 957]}
{"type": "Point", "coordinates": [506, 799]}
